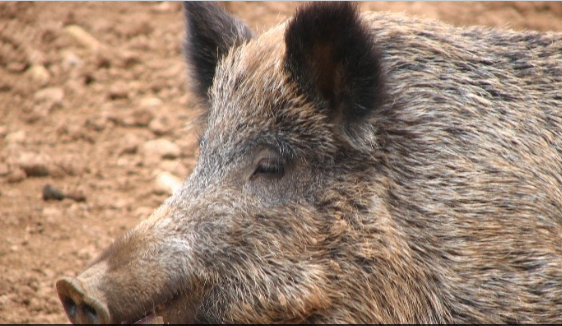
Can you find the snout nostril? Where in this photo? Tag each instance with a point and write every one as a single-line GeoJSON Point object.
{"type": "Point", "coordinates": [90, 313]}
{"type": "Point", "coordinates": [69, 306]}
{"type": "Point", "coordinates": [81, 307]}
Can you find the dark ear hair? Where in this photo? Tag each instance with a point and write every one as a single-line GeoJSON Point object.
{"type": "Point", "coordinates": [332, 57]}
{"type": "Point", "coordinates": [211, 32]}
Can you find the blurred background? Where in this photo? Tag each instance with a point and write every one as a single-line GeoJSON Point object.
{"type": "Point", "coordinates": [94, 103]}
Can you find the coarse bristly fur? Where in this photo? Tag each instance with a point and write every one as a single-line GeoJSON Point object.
{"type": "Point", "coordinates": [354, 168]}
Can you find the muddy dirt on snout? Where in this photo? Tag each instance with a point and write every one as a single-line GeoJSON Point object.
{"type": "Point", "coordinates": [93, 103]}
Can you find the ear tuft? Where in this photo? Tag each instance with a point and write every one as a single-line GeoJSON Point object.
{"type": "Point", "coordinates": [211, 32]}
{"type": "Point", "coordinates": [333, 59]}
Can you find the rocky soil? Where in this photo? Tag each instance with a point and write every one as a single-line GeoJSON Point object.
{"type": "Point", "coordinates": [94, 125]}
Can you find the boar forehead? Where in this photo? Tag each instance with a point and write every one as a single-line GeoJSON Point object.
{"type": "Point", "coordinates": [251, 98]}
{"type": "Point", "coordinates": [249, 81]}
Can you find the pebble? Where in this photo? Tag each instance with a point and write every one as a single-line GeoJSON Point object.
{"type": "Point", "coordinates": [129, 144]}
{"type": "Point", "coordinates": [17, 175]}
{"type": "Point", "coordinates": [98, 123]}
{"type": "Point", "coordinates": [136, 119]}
{"type": "Point", "coordinates": [140, 26]}
{"type": "Point", "coordinates": [3, 131]}
{"type": "Point", "coordinates": [39, 111]}
{"type": "Point", "coordinates": [50, 211]}
{"type": "Point", "coordinates": [39, 74]}
{"type": "Point", "coordinates": [51, 193]}
{"type": "Point", "coordinates": [71, 59]}
{"type": "Point", "coordinates": [160, 126]}
{"type": "Point", "coordinates": [36, 57]}
{"type": "Point", "coordinates": [75, 131]}
{"type": "Point", "coordinates": [83, 38]}
{"type": "Point", "coordinates": [105, 59]}
{"type": "Point", "coordinates": [70, 164]}
{"type": "Point", "coordinates": [76, 195]}
{"type": "Point", "coordinates": [16, 66]}
{"type": "Point", "coordinates": [118, 90]}
{"type": "Point", "coordinates": [51, 94]}
{"type": "Point", "coordinates": [162, 7]}
{"type": "Point", "coordinates": [166, 183]}
{"type": "Point", "coordinates": [161, 148]}
{"type": "Point", "coordinates": [119, 204]}
{"type": "Point", "coordinates": [4, 169]}
{"type": "Point", "coordinates": [35, 165]}
{"type": "Point", "coordinates": [142, 117]}
{"type": "Point", "coordinates": [150, 103]}
{"type": "Point", "coordinates": [16, 137]}
{"type": "Point", "coordinates": [128, 59]}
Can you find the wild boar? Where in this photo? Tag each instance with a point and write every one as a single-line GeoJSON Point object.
{"type": "Point", "coordinates": [353, 168]}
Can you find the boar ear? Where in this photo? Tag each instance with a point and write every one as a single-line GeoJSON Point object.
{"type": "Point", "coordinates": [211, 32]}
{"type": "Point", "coordinates": [332, 57]}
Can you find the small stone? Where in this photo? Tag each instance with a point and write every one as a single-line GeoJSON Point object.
{"type": "Point", "coordinates": [39, 111]}
{"type": "Point", "coordinates": [161, 148]}
{"type": "Point", "coordinates": [51, 193]}
{"type": "Point", "coordinates": [35, 165]}
{"type": "Point", "coordinates": [4, 300]}
{"type": "Point", "coordinates": [69, 164]}
{"type": "Point", "coordinates": [128, 59]}
{"type": "Point", "coordinates": [76, 195]}
{"type": "Point", "coordinates": [113, 117]}
{"type": "Point", "coordinates": [142, 117]}
{"type": "Point", "coordinates": [97, 123]}
{"type": "Point", "coordinates": [56, 172]}
{"type": "Point", "coordinates": [118, 90]}
{"type": "Point", "coordinates": [70, 60]}
{"type": "Point", "coordinates": [104, 59]}
{"type": "Point", "coordinates": [39, 74]}
{"type": "Point", "coordinates": [76, 132]}
{"type": "Point", "coordinates": [166, 183]}
{"type": "Point", "coordinates": [160, 126]}
{"type": "Point", "coordinates": [16, 66]}
{"type": "Point", "coordinates": [83, 38]}
{"type": "Point", "coordinates": [16, 137]}
{"type": "Point", "coordinates": [16, 176]}
{"type": "Point", "coordinates": [51, 94]}
{"type": "Point", "coordinates": [3, 131]}
{"type": "Point", "coordinates": [4, 169]}
{"type": "Point", "coordinates": [119, 204]}
{"type": "Point", "coordinates": [138, 118]}
{"type": "Point", "coordinates": [150, 103]}
{"type": "Point", "coordinates": [139, 26]}
{"type": "Point", "coordinates": [163, 6]}
{"type": "Point", "coordinates": [36, 57]}
{"type": "Point", "coordinates": [130, 144]}
{"type": "Point", "coordinates": [48, 211]}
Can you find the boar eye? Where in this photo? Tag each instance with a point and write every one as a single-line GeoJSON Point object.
{"type": "Point", "coordinates": [270, 167]}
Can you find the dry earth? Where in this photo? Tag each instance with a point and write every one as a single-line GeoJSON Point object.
{"type": "Point", "coordinates": [93, 101]}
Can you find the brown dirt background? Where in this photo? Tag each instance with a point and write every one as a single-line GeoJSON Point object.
{"type": "Point", "coordinates": [77, 108]}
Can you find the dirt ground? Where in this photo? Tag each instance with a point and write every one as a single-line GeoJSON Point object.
{"type": "Point", "coordinates": [93, 101]}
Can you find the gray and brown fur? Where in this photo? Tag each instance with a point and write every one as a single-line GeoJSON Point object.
{"type": "Point", "coordinates": [356, 169]}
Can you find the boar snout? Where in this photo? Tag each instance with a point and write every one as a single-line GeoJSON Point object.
{"type": "Point", "coordinates": [81, 307]}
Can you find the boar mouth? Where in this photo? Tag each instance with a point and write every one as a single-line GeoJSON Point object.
{"type": "Point", "coordinates": [150, 318]}
{"type": "Point", "coordinates": [158, 315]}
